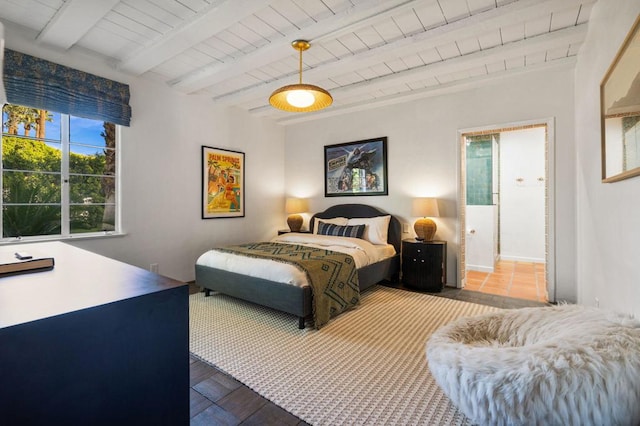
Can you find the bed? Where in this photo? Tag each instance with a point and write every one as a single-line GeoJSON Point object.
{"type": "Point", "coordinates": [297, 299]}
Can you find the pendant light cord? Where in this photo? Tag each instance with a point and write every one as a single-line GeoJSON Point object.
{"type": "Point", "coordinates": [300, 50]}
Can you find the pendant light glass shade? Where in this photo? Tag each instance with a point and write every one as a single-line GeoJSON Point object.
{"type": "Point", "coordinates": [300, 97]}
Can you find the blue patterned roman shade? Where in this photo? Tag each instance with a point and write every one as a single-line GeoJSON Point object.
{"type": "Point", "coordinates": [41, 84]}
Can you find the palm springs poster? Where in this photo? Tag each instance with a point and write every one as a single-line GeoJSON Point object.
{"type": "Point", "coordinates": [222, 183]}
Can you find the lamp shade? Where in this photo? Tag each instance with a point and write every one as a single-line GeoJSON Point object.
{"type": "Point", "coordinates": [425, 207]}
{"type": "Point", "coordinates": [300, 98]}
{"type": "Point", "coordinates": [296, 205]}
{"type": "Point", "coordinates": [425, 228]}
{"type": "Point", "coordinates": [293, 206]}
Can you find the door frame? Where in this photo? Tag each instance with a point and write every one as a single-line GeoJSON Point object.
{"type": "Point", "coordinates": [550, 243]}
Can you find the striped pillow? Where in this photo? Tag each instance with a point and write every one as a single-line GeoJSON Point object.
{"type": "Point", "coordinates": [355, 231]}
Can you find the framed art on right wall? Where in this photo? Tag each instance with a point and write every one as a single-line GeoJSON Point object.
{"type": "Point", "coordinates": [620, 111]}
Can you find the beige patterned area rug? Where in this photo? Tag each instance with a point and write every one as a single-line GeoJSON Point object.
{"type": "Point", "coordinates": [365, 367]}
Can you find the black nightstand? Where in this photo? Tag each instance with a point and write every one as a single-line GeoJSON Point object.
{"type": "Point", "coordinates": [424, 264]}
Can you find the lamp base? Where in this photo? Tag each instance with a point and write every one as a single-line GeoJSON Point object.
{"type": "Point", "coordinates": [295, 222]}
{"type": "Point", "coordinates": [425, 229]}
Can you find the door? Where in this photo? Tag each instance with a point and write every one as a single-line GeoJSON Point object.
{"type": "Point", "coordinates": [492, 221]}
{"type": "Point", "coordinates": [482, 164]}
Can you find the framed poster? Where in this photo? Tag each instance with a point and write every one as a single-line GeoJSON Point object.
{"type": "Point", "coordinates": [620, 111]}
{"type": "Point", "coordinates": [222, 183]}
{"type": "Point", "coordinates": [356, 168]}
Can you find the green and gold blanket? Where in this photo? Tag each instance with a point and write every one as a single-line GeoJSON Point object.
{"type": "Point", "coordinates": [332, 275]}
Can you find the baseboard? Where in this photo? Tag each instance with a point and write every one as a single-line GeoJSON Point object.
{"type": "Point", "coordinates": [479, 268]}
{"type": "Point", "coordinates": [521, 259]}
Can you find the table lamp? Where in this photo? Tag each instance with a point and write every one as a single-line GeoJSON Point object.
{"type": "Point", "coordinates": [293, 206]}
{"type": "Point", "coordinates": [426, 208]}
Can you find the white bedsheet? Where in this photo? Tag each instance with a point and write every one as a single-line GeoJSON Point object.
{"type": "Point", "coordinates": [363, 252]}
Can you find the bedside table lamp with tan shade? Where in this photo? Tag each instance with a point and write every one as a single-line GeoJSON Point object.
{"type": "Point", "coordinates": [294, 206]}
{"type": "Point", "coordinates": [426, 208]}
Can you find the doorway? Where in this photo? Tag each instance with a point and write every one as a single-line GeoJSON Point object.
{"type": "Point", "coordinates": [506, 210]}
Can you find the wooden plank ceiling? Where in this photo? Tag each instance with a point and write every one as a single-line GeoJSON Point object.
{"type": "Point", "coordinates": [365, 52]}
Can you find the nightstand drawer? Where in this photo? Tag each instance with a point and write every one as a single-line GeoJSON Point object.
{"type": "Point", "coordinates": [422, 255]}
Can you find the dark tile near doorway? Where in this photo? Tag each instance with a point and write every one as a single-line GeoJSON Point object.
{"type": "Point", "coordinates": [242, 402]}
{"type": "Point", "coordinates": [197, 403]}
{"type": "Point", "coordinates": [215, 415]}
{"type": "Point", "coordinates": [271, 414]}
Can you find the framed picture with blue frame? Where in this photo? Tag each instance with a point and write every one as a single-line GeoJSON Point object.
{"type": "Point", "coordinates": [222, 183]}
{"type": "Point", "coordinates": [356, 168]}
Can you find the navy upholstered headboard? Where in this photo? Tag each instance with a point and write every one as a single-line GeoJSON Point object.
{"type": "Point", "coordinates": [363, 210]}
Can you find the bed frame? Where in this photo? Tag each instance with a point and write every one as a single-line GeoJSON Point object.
{"type": "Point", "coordinates": [297, 300]}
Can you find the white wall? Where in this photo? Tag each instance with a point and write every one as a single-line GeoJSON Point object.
{"type": "Point", "coordinates": [422, 153]}
{"type": "Point", "coordinates": [608, 222]}
{"type": "Point", "coordinates": [161, 194]}
{"type": "Point", "coordinates": [522, 203]}
{"type": "Point", "coordinates": [161, 177]}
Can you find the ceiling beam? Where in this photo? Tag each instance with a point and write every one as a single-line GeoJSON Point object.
{"type": "Point", "coordinates": [472, 26]}
{"type": "Point", "coordinates": [343, 22]}
{"type": "Point", "coordinates": [512, 13]}
{"type": "Point", "coordinates": [73, 20]}
{"type": "Point", "coordinates": [444, 89]}
{"type": "Point", "coordinates": [215, 18]}
{"type": "Point", "coordinates": [471, 61]}
{"type": "Point", "coordinates": [516, 49]}
{"type": "Point", "coordinates": [475, 25]}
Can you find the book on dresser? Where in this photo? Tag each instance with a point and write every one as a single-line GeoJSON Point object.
{"type": "Point", "coordinates": [16, 262]}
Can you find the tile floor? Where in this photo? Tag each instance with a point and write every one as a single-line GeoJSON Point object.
{"type": "Point", "coordinates": [522, 280]}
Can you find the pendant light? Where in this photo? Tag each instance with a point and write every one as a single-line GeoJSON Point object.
{"type": "Point", "coordinates": [300, 97]}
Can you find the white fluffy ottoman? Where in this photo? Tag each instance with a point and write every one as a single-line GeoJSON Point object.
{"type": "Point", "coordinates": [565, 365]}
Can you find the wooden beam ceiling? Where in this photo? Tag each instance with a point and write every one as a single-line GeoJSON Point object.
{"type": "Point", "coordinates": [218, 15]}
{"type": "Point", "coordinates": [464, 28]}
{"type": "Point", "coordinates": [72, 21]}
{"type": "Point", "coordinates": [341, 23]}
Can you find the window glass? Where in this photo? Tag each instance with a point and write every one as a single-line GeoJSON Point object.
{"type": "Point", "coordinates": [30, 188]}
{"type": "Point", "coordinates": [86, 132]}
{"type": "Point", "coordinates": [55, 183]}
{"type": "Point", "coordinates": [23, 153]}
{"type": "Point", "coordinates": [91, 189]}
{"type": "Point", "coordinates": [31, 220]}
{"type": "Point", "coordinates": [90, 218]}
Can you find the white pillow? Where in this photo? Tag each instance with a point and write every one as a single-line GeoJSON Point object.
{"type": "Point", "coordinates": [376, 230]}
{"type": "Point", "coordinates": [342, 221]}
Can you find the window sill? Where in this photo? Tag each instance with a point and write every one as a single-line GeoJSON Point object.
{"type": "Point", "coordinates": [88, 236]}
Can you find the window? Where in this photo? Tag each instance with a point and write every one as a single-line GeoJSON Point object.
{"type": "Point", "coordinates": [59, 174]}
